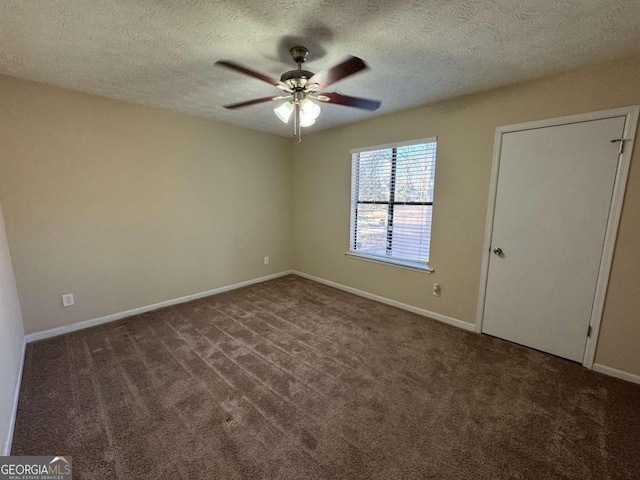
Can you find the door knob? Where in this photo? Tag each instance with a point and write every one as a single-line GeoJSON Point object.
{"type": "Point", "coordinates": [497, 251]}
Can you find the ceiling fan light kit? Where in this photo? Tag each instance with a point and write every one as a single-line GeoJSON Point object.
{"type": "Point", "coordinates": [284, 111]}
{"type": "Point", "coordinates": [302, 87]}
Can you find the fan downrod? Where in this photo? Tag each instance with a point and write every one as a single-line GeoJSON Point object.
{"type": "Point", "coordinates": [297, 79]}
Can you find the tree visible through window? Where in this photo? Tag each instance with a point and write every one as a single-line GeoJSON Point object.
{"type": "Point", "coordinates": [392, 201]}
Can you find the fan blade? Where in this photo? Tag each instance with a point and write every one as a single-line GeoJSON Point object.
{"type": "Point", "coordinates": [254, 102]}
{"type": "Point", "coordinates": [347, 101]}
{"type": "Point", "coordinates": [251, 73]}
{"type": "Point", "coordinates": [324, 78]}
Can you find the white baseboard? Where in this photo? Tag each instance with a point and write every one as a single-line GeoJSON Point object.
{"type": "Point", "coordinates": [16, 396]}
{"type": "Point", "coordinates": [420, 311]}
{"type": "Point", "coordinates": [54, 332]}
{"type": "Point", "coordinates": [614, 372]}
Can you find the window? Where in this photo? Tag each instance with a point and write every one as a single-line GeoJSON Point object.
{"type": "Point", "coordinates": [392, 202]}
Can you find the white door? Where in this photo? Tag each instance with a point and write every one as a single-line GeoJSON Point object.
{"type": "Point", "coordinates": [553, 199]}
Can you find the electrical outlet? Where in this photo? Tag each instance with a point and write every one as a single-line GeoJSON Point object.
{"type": "Point", "coordinates": [437, 290]}
{"type": "Point", "coordinates": [67, 300]}
{"type": "Point", "coordinates": [266, 260]}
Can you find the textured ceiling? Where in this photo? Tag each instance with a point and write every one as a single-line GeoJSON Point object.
{"type": "Point", "coordinates": [162, 52]}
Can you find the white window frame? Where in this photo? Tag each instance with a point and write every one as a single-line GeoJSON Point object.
{"type": "Point", "coordinates": [388, 260]}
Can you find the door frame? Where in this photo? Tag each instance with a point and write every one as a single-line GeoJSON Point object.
{"type": "Point", "coordinates": [624, 160]}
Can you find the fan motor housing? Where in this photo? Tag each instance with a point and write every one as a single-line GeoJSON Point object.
{"type": "Point", "coordinates": [297, 79]}
{"type": "Point", "coordinates": [296, 75]}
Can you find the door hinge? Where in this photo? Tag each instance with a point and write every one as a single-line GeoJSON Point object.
{"type": "Point", "coordinates": [621, 140]}
{"type": "Point", "coordinates": [589, 332]}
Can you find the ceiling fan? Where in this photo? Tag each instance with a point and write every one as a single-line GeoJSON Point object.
{"type": "Point", "coordinates": [304, 89]}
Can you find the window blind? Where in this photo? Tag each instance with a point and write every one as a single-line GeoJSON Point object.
{"type": "Point", "coordinates": [392, 200]}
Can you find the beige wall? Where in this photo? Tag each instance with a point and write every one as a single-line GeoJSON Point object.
{"type": "Point", "coordinates": [126, 206]}
{"type": "Point", "coordinates": [465, 128]}
{"type": "Point", "coordinates": [11, 340]}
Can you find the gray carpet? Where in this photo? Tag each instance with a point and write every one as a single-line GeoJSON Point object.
{"type": "Point", "coordinates": [290, 379]}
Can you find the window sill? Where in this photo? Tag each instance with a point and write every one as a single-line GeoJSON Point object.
{"type": "Point", "coordinates": [415, 266]}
